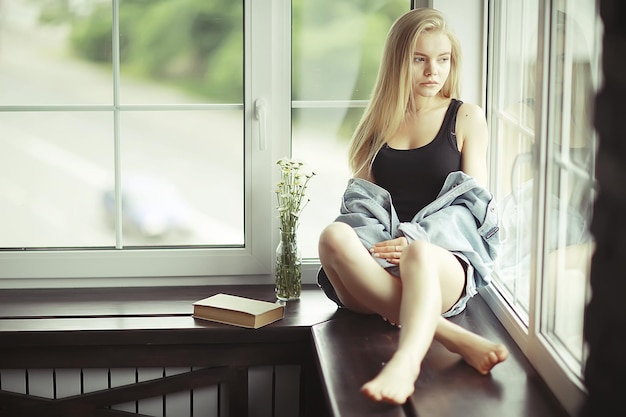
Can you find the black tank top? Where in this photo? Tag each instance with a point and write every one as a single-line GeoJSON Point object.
{"type": "Point", "coordinates": [414, 177]}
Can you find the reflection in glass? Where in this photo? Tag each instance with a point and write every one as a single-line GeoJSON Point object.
{"type": "Point", "coordinates": [514, 141]}
{"type": "Point", "coordinates": [570, 189]}
{"type": "Point", "coordinates": [564, 247]}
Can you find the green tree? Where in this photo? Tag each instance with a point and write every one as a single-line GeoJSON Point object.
{"type": "Point", "coordinates": [339, 40]}
{"type": "Point", "coordinates": [195, 44]}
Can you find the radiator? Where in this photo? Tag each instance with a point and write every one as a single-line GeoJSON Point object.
{"type": "Point", "coordinates": [273, 391]}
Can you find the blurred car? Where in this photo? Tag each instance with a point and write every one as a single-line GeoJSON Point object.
{"type": "Point", "coordinates": [150, 207]}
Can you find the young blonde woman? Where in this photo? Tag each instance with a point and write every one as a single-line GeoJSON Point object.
{"type": "Point", "coordinates": [407, 245]}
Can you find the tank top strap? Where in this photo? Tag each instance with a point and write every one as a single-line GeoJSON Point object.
{"type": "Point", "coordinates": [449, 123]}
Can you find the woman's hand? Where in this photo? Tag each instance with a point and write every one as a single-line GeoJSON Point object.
{"type": "Point", "coordinates": [390, 249]}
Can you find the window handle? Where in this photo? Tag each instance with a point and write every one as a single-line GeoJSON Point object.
{"type": "Point", "coordinates": [260, 112]}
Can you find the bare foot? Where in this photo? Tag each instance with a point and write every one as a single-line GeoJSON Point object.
{"type": "Point", "coordinates": [395, 382]}
{"type": "Point", "coordinates": [480, 353]}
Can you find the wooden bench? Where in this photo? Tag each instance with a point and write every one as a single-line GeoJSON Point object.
{"type": "Point", "coordinates": [336, 352]}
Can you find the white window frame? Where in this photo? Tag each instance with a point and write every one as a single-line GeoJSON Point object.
{"type": "Point", "coordinates": [567, 386]}
{"type": "Point", "coordinates": [267, 72]}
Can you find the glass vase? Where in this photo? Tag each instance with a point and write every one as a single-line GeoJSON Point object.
{"type": "Point", "coordinates": [288, 267]}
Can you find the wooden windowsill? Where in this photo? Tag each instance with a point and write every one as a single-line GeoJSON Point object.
{"type": "Point", "coordinates": [337, 350]}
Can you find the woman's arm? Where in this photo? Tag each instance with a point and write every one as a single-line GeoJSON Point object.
{"type": "Point", "coordinates": [473, 138]}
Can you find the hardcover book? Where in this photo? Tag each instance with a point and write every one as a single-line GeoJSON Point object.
{"type": "Point", "coordinates": [238, 311]}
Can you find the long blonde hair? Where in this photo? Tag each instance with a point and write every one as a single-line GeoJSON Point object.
{"type": "Point", "coordinates": [393, 91]}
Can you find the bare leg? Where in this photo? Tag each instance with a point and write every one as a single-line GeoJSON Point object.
{"type": "Point", "coordinates": [432, 280]}
{"type": "Point", "coordinates": [477, 351]}
{"type": "Point", "coordinates": [360, 282]}
{"type": "Point", "coordinates": [424, 288]}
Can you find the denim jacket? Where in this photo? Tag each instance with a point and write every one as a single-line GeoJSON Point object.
{"type": "Point", "coordinates": [462, 219]}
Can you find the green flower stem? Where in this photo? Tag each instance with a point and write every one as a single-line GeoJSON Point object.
{"type": "Point", "coordinates": [288, 267]}
{"type": "Point", "coordinates": [291, 198]}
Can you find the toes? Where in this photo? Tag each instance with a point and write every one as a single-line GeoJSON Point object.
{"type": "Point", "coordinates": [385, 394]}
{"type": "Point", "coordinates": [492, 359]}
{"type": "Point", "coordinates": [371, 392]}
{"type": "Point", "coordinates": [393, 398]}
{"type": "Point", "coordinates": [502, 353]}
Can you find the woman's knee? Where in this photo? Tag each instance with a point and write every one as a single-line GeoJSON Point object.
{"type": "Point", "coordinates": [417, 251]}
{"type": "Point", "coordinates": [334, 235]}
{"type": "Point", "coordinates": [435, 264]}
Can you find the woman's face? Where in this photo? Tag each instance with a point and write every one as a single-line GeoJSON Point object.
{"type": "Point", "coordinates": [431, 63]}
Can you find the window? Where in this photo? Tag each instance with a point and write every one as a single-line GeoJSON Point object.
{"type": "Point", "coordinates": [336, 51]}
{"type": "Point", "coordinates": [197, 110]}
{"type": "Point", "coordinates": [129, 146]}
{"type": "Point", "coordinates": [544, 66]}
{"type": "Point", "coordinates": [187, 121]}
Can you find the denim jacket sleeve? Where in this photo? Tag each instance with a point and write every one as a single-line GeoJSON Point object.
{"type": "Point", "coordinates": [367, 207]}
{"type": "Point", "coordinates": [462, 219]}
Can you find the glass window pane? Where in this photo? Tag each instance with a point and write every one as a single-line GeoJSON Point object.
{"type": "Point", "coordinates": [42, 52]}
{"type": "Point", "coordinates": [516, 212]}
{"type": "Point", "coordinates": [336, 48]}
{"type": "Point", "coordinates": [54, 167]}
{"type": "Point", "coordinates": [570, 191]}
{"type": "Point", "coordinates": [179, 53]}
{"type": "Point", "coordinates": [169, 46]}
{"type": "Point", "coordinates": [182, 177]}
{"type": "Point", "coordinates": [513, 136]}
{"type": "Point", "coordinates": [179, 120]}
{"type": "Point", "coordinates": [324, 149]}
